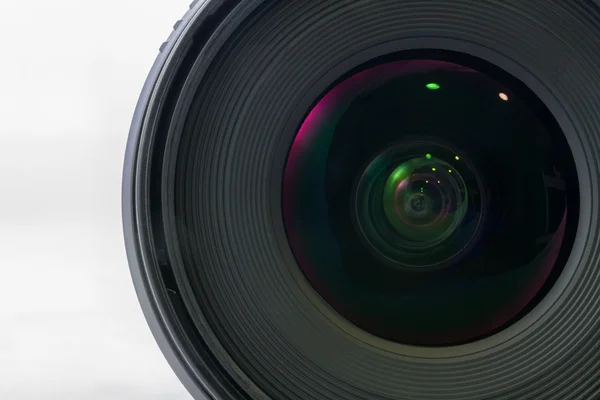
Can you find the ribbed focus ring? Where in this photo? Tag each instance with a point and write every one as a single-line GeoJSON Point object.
{"type": "Point", "coordinates": [223, 200]}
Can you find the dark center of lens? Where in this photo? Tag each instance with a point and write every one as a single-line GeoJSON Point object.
{"type": "Point", "coordinates": [417, 207]}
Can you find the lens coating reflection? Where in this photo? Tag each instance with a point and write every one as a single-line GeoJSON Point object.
{"type": "Point", "coordinates": [429, 216]}
{"type": "Point", "coordinates": [415, 215]}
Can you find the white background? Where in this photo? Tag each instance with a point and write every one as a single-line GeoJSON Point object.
{"type": "Point", "coordinates": [70, 75]}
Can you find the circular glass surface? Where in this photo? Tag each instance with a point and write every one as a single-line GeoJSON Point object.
{"type": "Point", "coordinates": [429, 203]}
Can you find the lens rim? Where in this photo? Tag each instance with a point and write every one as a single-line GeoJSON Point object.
{"type": "Point", "coordinates": [204, 369]}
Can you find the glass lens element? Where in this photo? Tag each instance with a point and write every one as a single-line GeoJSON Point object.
{"type": "Point", "coordinates": [426, 208]}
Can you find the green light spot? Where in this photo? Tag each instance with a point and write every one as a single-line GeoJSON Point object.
{"type": "Point", "coordinates": [450, 170]}
{"type": "Point", "coordinates": [432, 86]}
{"type": "Point", "coordinates": [433, 169]}
{"type": "Point", "coordinates": [457, 158]}
{"type": "Point", "coordinates": [428, 156]}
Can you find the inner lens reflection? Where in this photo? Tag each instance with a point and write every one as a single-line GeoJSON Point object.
{"type": "Point", "coordinates": [412, 209]}
{"type": "Point", "coordinates": [429, 203]}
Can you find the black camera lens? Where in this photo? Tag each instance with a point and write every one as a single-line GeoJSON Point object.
{"type": "Point", "coordinates": [424, 200]}
{"type": "Point", "coordinates": [372, 199]}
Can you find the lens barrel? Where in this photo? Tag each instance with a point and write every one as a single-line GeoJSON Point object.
{"type": "Point", "coordinates": [372, 199]}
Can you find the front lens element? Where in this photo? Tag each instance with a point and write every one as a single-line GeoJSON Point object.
{"type": "Point", "coordinates": [423, 206]}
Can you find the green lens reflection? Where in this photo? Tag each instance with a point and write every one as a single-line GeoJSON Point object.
{"type": "Point", "coordinates": [429, 216]}
{"type": "Point", "coordinates": [409, 207]}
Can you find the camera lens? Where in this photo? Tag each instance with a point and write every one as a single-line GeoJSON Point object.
{"type": "Point", "coordinates": [375, 200]}
{"type": "Point", "coordinates": [423, 200]}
